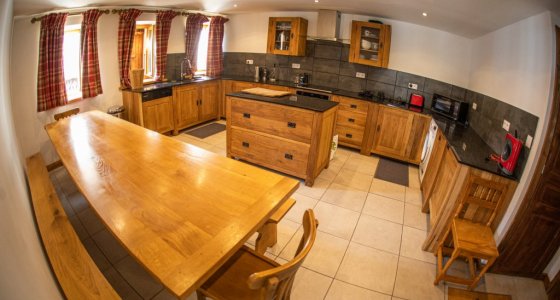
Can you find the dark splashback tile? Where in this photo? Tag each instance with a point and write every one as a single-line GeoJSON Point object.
{"type": "Point", "coordinates": [387, 89]}
{"type": "Point", "coordinates": [401, 93]}
{"type": "Point", "coordinates": [279, 60]}
{"type": "Point", "coordinates": [345, 52]}
{"type": "Point", "coordinates": [352, 84]}
{"type": "Point", "coordinates": [234, 57]}
{"type": "Point", "coordinates": [437, 87]}
{"type": "Point", "coordinates": [306, 62]}
{"type": "Point", "coordinates": [403, 79]}
{"type": "Point", "coordinates": [259, 59]}
{"type": "Point", "coordinates": [324, 79]}
{"type": "Point", "coordinates": [350, 69]}
{"type": "Point", "coordinates": [328, 51]}
{"type": "Point", "coordinates": [382, 75]}
{"type": "Point", "coordinates": [310, 49]}
{"type": "Point", "coordinates": [458, 93]}
{"type": "Point", "coordinates": [326, 65]}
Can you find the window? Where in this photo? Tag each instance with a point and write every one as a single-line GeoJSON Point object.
{"type": "Point", "coordinates": [143, 54]}
{"type": "Point", "coordinates": [202, 53]}
{"type": "Point", "coordinates": [71, 57]}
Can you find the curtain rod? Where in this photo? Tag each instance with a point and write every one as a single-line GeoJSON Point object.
{"type": "Point", "coordinates": [116, 9]}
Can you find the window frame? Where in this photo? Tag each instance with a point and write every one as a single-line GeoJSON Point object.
{"type": "Point", "coordinates": [148, 28]}
{"type": "Point", "coordinates": [205, 27]}
{"type": "Point", "coordinates": [74, 28]}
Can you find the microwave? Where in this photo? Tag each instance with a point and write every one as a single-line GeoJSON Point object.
{"type": "Point", "coordinates": [450, 108]}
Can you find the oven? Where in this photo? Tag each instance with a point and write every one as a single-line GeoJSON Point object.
{"type": "Point", "coordinates": [318, 93]}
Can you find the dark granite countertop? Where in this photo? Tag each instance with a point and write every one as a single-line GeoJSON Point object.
{"type": "Point", "coordinates": [298, 101]}
{"type": "Point", "coordinates": [167, 84]}
{"type": "Point", "coordinates": [468, 146]}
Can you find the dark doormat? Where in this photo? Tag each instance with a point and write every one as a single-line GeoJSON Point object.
{"type": "Point", "coordinates": [392, 171]}
{"type": "Point", "coordinates": [206, 131]}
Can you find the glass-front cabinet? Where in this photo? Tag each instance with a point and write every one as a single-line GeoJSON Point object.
{"type": "Point", "coordinates": [287, 36]}
{"type": "Point", "coordinates": [370, 44]}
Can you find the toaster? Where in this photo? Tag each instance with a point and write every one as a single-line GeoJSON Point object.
{"type": "Point", "coordinates": [416, 100]}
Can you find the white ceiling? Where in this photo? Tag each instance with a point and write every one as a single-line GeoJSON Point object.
{"type": "Point", "coordinates": [469, 18]}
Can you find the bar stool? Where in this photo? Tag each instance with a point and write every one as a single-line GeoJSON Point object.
{"type": "Point", "coordinates": [471, 235]}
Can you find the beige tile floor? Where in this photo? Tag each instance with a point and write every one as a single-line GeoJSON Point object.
{"type": "Point", "coordinates": [368, 245]}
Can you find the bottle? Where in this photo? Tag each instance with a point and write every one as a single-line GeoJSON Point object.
{"type": "Point", "coordinates": [257, 73]}
{"type": "Point", "coordinates": [273, 74]}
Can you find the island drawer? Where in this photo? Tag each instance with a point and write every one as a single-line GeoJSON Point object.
{"type": "Point", "coordinates": [352, 104]}
{"type": "Point", "coordinates": [278, 120]}
{"type": "Point", "coordinates": [351, 119]}
{"type": "Point", "coordinates": [350, 135]}
{"type": "Point", "coordinates": [276, 153]}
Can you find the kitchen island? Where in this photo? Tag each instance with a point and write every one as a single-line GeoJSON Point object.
{"type": "Point", "coordinates": [291, 134]}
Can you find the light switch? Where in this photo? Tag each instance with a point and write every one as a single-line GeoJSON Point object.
{"type": "Point", "coordinates": [505, 125]}
{"type": "Point", "coordinates": [412, 86]}
{"type": "Point", "coordinates": [474, 106]}
{"type": "Point", "coordinates": [360, 75]}
{"type": "Point", "coordinates": [249, 61]}
{"type": "Point", "coordinates": [295, 66]}
{"type": "Point", "coordinates": [529, 141]}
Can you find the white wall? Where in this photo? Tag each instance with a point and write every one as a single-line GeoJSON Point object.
{"type": "Point", "coordinates": [24, 271]}
{"type": "Point", "coordinates": [415, 49]}
{"type": "Point", "coordinates": [25, 53]}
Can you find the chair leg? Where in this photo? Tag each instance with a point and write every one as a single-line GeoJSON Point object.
{"type": "Point", "coordinates": [482, 272]}
{"type": "Point", "coordinates": [447, 266]}
{"type": "Point", "coordinates": [267, 237]}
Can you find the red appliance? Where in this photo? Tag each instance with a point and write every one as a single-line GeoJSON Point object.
{"type": "Point", "coordinates": [511, 152]}
{"type": "Point", "coordinates": [416, 100]}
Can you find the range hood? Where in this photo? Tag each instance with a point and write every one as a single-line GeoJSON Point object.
{"type": "Point", "coordinates": [328, 26]}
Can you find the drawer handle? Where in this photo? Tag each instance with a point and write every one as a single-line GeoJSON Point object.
{"type": "Point", "coordinates": [246, 115]}
{"type": "Point", "coordinates": [353, 106]}
{"type": "Point", "coordinates": [292, 124]}
{"type": "Point", "coordinates": [351, 120]}
{"type": "Point", "coordinates": [348, 135]}
{"type": "Point", "coordinates": [288, 156]}
{"type": "Point", "coordinates": [378, 128]}
{"type": "Point", "coordinates": [245, 144]}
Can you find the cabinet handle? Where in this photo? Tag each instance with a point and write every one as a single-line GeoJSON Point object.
{"type": "Point", "coordinates": [246, 115]}
{"type": "Point", "coordinates": [351, 120]}
{"type": "Point", "coordinates": [348, 135]}
{"type": "Point", "coordinates": [245, 144]}
{"type": "Point", "coordinates": [288, 156]}
{"type": "Point", "coordinates": [292, 124]}
{"type": "Point", "coordinates": [292, 35]}
{"type": "Point", "coordinates": [378, 128]}
{"type": "Point", "coordinates": [353, 106]}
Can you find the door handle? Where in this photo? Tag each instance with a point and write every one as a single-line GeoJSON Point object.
{"type": "Point", "coordinates": [288, 156]}
{"type": "Point", "coordinates": [351, 120]}
{"type": "Point", "coordinates": [378, 128]}
{"type": "Point", "coordinates": [353, 106]}
{"type": "Point", "coordinates": [245, 144]}
{"type": "Point", "coordinates": [348, 135]}
{"type": "Point", "coordinates": [292, 124]}
{"type": "Point", "coordinates": [246, 115]}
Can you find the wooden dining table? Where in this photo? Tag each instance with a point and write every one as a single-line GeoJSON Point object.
{"type": "Point", "coordinates": [179, 210]}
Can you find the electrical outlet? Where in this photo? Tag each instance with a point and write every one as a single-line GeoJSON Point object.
{"type": "Point", "coordinates": [505, 125]}
{"type": "Point", "coordinates": [474, 106]}
{"type": "Point", "coordinates": [295, 66]}
{"type": "Point", "coordinates": [529, 141]}
{"type": "Point", "coordinates": [413, 86]}
{"type": "Point", "coordinates": [464, 147]}
{"type": "Point", "coordinates": [360, 75]}
{"type": "Point", "coordinates": [249, 61]}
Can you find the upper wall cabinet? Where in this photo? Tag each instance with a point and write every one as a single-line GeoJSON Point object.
{"type": "Point", "coordinates": [370, 44]}
{"type": "Point", "coordinates": [287, 36]}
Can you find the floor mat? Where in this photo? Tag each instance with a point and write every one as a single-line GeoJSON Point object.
{"type": "Point", "coordinates": [392, 171]}
{"type": "Point", "coordinates": [206, 131]}
{"type": "Point", "coordinates": [457, 294]}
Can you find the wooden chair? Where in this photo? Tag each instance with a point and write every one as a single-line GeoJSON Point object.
{"type": "Point", "coordinates": [249, 275]}
{"type": "Point", "coordinates": [269, 232]}
{"type": "Point", "coordinates": [57, 117]}
{"type": "Point", "coordinates": [471, 235]}
{"type": "Point", "coordinates": [66, 114]}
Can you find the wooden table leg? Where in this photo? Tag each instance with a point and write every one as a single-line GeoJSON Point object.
{"type": "Point", "coordinates": [267, 237]}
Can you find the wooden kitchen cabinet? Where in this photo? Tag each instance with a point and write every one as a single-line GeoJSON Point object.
{"type": "Point", "coordinates": [392, 132]}
{"type": "Point", "coordinates": [287, 36]}
{"type": "Point", "coordinates": [158, 115]}
{"type": "Point", "coordinates": [370, 44]}
{"type": "Point", "coordinates": [351, 121]}
{"type": "Point", "coordinates": [446, 177]}
{"type": "Point", "coordinates": [195, 103]}
{"type": "Point", "coordinates": [436, 157]}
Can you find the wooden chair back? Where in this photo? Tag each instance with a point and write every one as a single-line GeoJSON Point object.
{"type": "Point", "coordinates": [277, 283]}
{"type": "Point", "coordinates": [482, 200]}
{"type": "Point", "coordinates": [66, 114]}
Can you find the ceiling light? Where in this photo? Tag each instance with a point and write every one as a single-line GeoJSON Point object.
{"type": "Point", "coordinates": [316, 1]}
{"type": "Point", "coordinates": [235, 5]}
{"type": "Point", "coordinates": [425, 14]}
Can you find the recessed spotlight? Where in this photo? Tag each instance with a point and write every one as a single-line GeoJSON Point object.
{"type": "Point", "coordinates": [425, 14]}
{"type": "Point", "coordinates": [316, 1]}
{"type": "Point", "coordinates": [235, 5]}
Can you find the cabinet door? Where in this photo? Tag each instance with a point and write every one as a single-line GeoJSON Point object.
{"type": "Point", "coordinates": [436, 157]}
{"type": "Point", "coordinates": [392, 132]}
{"type": "Point", "coordinates": [287, 36]}
{"type": "Point", "coordinates": [185, 102]}
{"type": "Point", "coordinates": [208, 101]}
{"type": "Point", "coordinates": [158, 115]}
{"type": "Point", "coordinates": [444, 182]}
{"type": "Point", "coordinates": [419, 129]}
{"type": "Point", "coordinates": [370, 44]}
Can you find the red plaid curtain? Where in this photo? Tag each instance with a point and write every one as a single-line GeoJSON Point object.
{"type": "Point", "coordinates": [193, 27]}
{"type": "Point", "coordinates": [127, 26]}
{"type": "Point", "coordinates": [91, 77]}
{"type": "Point", "coordinates": [163, 26]}
{"type": "Point", "coordinates": [51, 88]}
{"type": "Point", "coordinates": [214, 62]}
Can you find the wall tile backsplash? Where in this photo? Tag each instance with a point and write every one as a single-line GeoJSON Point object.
{"type": "Point", "coordinates": [327, 62]}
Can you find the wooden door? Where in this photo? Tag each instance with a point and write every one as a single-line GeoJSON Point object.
{"type": "Point", "coordinates": [436, 157]}
{"type": "Point", "coordinates": [157, 115]}
{"type": "Point", "coordinates": [444, 183]}
{"type": "Point", "coordinates": [185, 103]}
{"type": "Point", "coordinates": [534, 237]}
{"type": "Point", "coordinates": [208, 101]}
{"type": "Point", "coordinates": [392, 132]}
{"type": "Point", "coordinates": [281, 35]}
{"type": "Point", "coordinates": [370, 44]}
{"type": "Point", "coordinates": [136, 57]}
